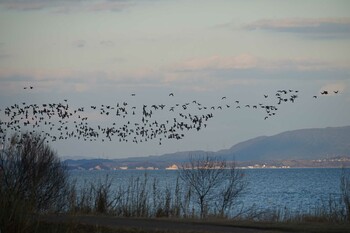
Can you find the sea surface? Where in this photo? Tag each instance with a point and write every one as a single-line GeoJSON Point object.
{"type": "Point", "coordinates": [299, 190]}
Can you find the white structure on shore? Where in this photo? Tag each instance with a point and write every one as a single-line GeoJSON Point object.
{"type": "Point", "coordinates": [172, 167]}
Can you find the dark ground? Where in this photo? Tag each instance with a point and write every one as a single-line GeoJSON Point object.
{"type": "Point", "coordinates": [145, 225]}
{"type": "Point", "coordinates": [163, 225]}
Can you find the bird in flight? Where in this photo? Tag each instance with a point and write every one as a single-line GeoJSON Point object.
{"type": "Point", "coordinates": [147, 129]}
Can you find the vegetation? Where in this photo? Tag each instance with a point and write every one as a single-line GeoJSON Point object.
{"type": "Point", "coordinates": [345, 190]}
{"type": "Point", "coordinates": [206, 186]}
{"type": "Point", "coordinates": [213, 183]}
{"type": "Point", "coordinates": [33, 183]}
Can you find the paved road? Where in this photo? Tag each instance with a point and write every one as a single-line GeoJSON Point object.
{"type": "Point", "coordinates": [153, 224]}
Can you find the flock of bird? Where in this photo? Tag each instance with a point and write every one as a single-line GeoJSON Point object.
{"type": "Point", "coordinates": [126, 122]}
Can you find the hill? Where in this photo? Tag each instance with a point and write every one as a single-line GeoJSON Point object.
{"type": "Point", "coordinates": [299, 145]}
{"type": "Point", "coordinates": [304, 144]}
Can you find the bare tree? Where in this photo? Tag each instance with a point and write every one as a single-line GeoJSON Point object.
{"type": "Point", "coordinates": [345, 191]}
{"type": "Point", "coordinates": [233, 186]}
{"type": "Point", "coordinates": [32, 178]}
{"type": "Point", "coordinates": [212, 181]}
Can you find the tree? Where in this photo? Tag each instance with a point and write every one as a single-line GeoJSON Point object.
{"type": "Point", "coordinates": [213, 182]}
{"type": "Point", "coordinates": [345, 192]}
{"type": "Point", "coordinates": [234, 186]}
{"type": "Point", "coordinates": [32, 180]}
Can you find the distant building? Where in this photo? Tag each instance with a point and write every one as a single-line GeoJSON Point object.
{"type": "Point", "coordinates": [98, 167]}
{"type": "Point", "coordinates": [172, 167]}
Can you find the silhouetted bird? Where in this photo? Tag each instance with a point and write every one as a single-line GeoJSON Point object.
{"type": "Point", "coordinates": [59, 118]}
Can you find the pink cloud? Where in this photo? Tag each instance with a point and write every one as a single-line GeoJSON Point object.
{"type": "Point", "coordinates": [295, 23]}
{"type": "Point", "coordinates": [318, 28]}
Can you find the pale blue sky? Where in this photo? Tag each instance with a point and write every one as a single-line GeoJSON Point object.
{"type": "Point", "coordinates": [101, 51]}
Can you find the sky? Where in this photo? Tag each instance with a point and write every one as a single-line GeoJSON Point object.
{"type": "Point", "coordinates": [94, 52]}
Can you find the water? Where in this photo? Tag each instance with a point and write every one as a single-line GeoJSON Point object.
{"type": "Point", "coordinates": [293, 189]}
{"type": "Point", "coordinates": [297, 190]}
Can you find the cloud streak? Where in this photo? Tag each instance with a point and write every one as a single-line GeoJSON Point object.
{"type": "Point", "coordinates": [197, 74]}
{"type": "Point", "coordinates": [79, 43]}
{"type": "Point", "coordinates": [23, 5]}
{"type": "Point", "coordinates": [312, 28]}
{"type": "Point", "coordinates": [110, 5]}
{"type": "Point", "coordinates": [244, 61]}
{"type": "Point", "coordinates": [66, 6]}
{"type": "Point", "coordinates": [247, 61]}
{"type": "Point", "coordinates": [4, 56]}
{"type": "Point", "coordinates": [78, 81]}
{"type": "Point", "coordinates": [107, 43]}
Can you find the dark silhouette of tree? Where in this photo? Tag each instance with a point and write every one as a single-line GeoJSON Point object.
{"type": "Point", "coordinates": [345, 192]}
{"type": "Point", "coordinates": [213, 182]}
{"type": "Point", "coordinates": [32, 180]}
{"type": "Point", "coordinates": [233, 186]}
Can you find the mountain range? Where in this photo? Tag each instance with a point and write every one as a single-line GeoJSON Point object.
{"type": "Point", "coordinates": [303, 144]}
{"type": "Point", "coordinates": [297, 144]}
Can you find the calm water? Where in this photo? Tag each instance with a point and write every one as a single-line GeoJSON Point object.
{"type": "Point", "coordinates": [297, 190]}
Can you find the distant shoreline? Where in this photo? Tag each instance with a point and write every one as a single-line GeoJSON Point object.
{"type": "Point", "coordinates": [145, 165]}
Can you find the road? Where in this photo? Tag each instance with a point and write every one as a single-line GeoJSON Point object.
{"type": "Point", "coordinates": [167, 225]}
